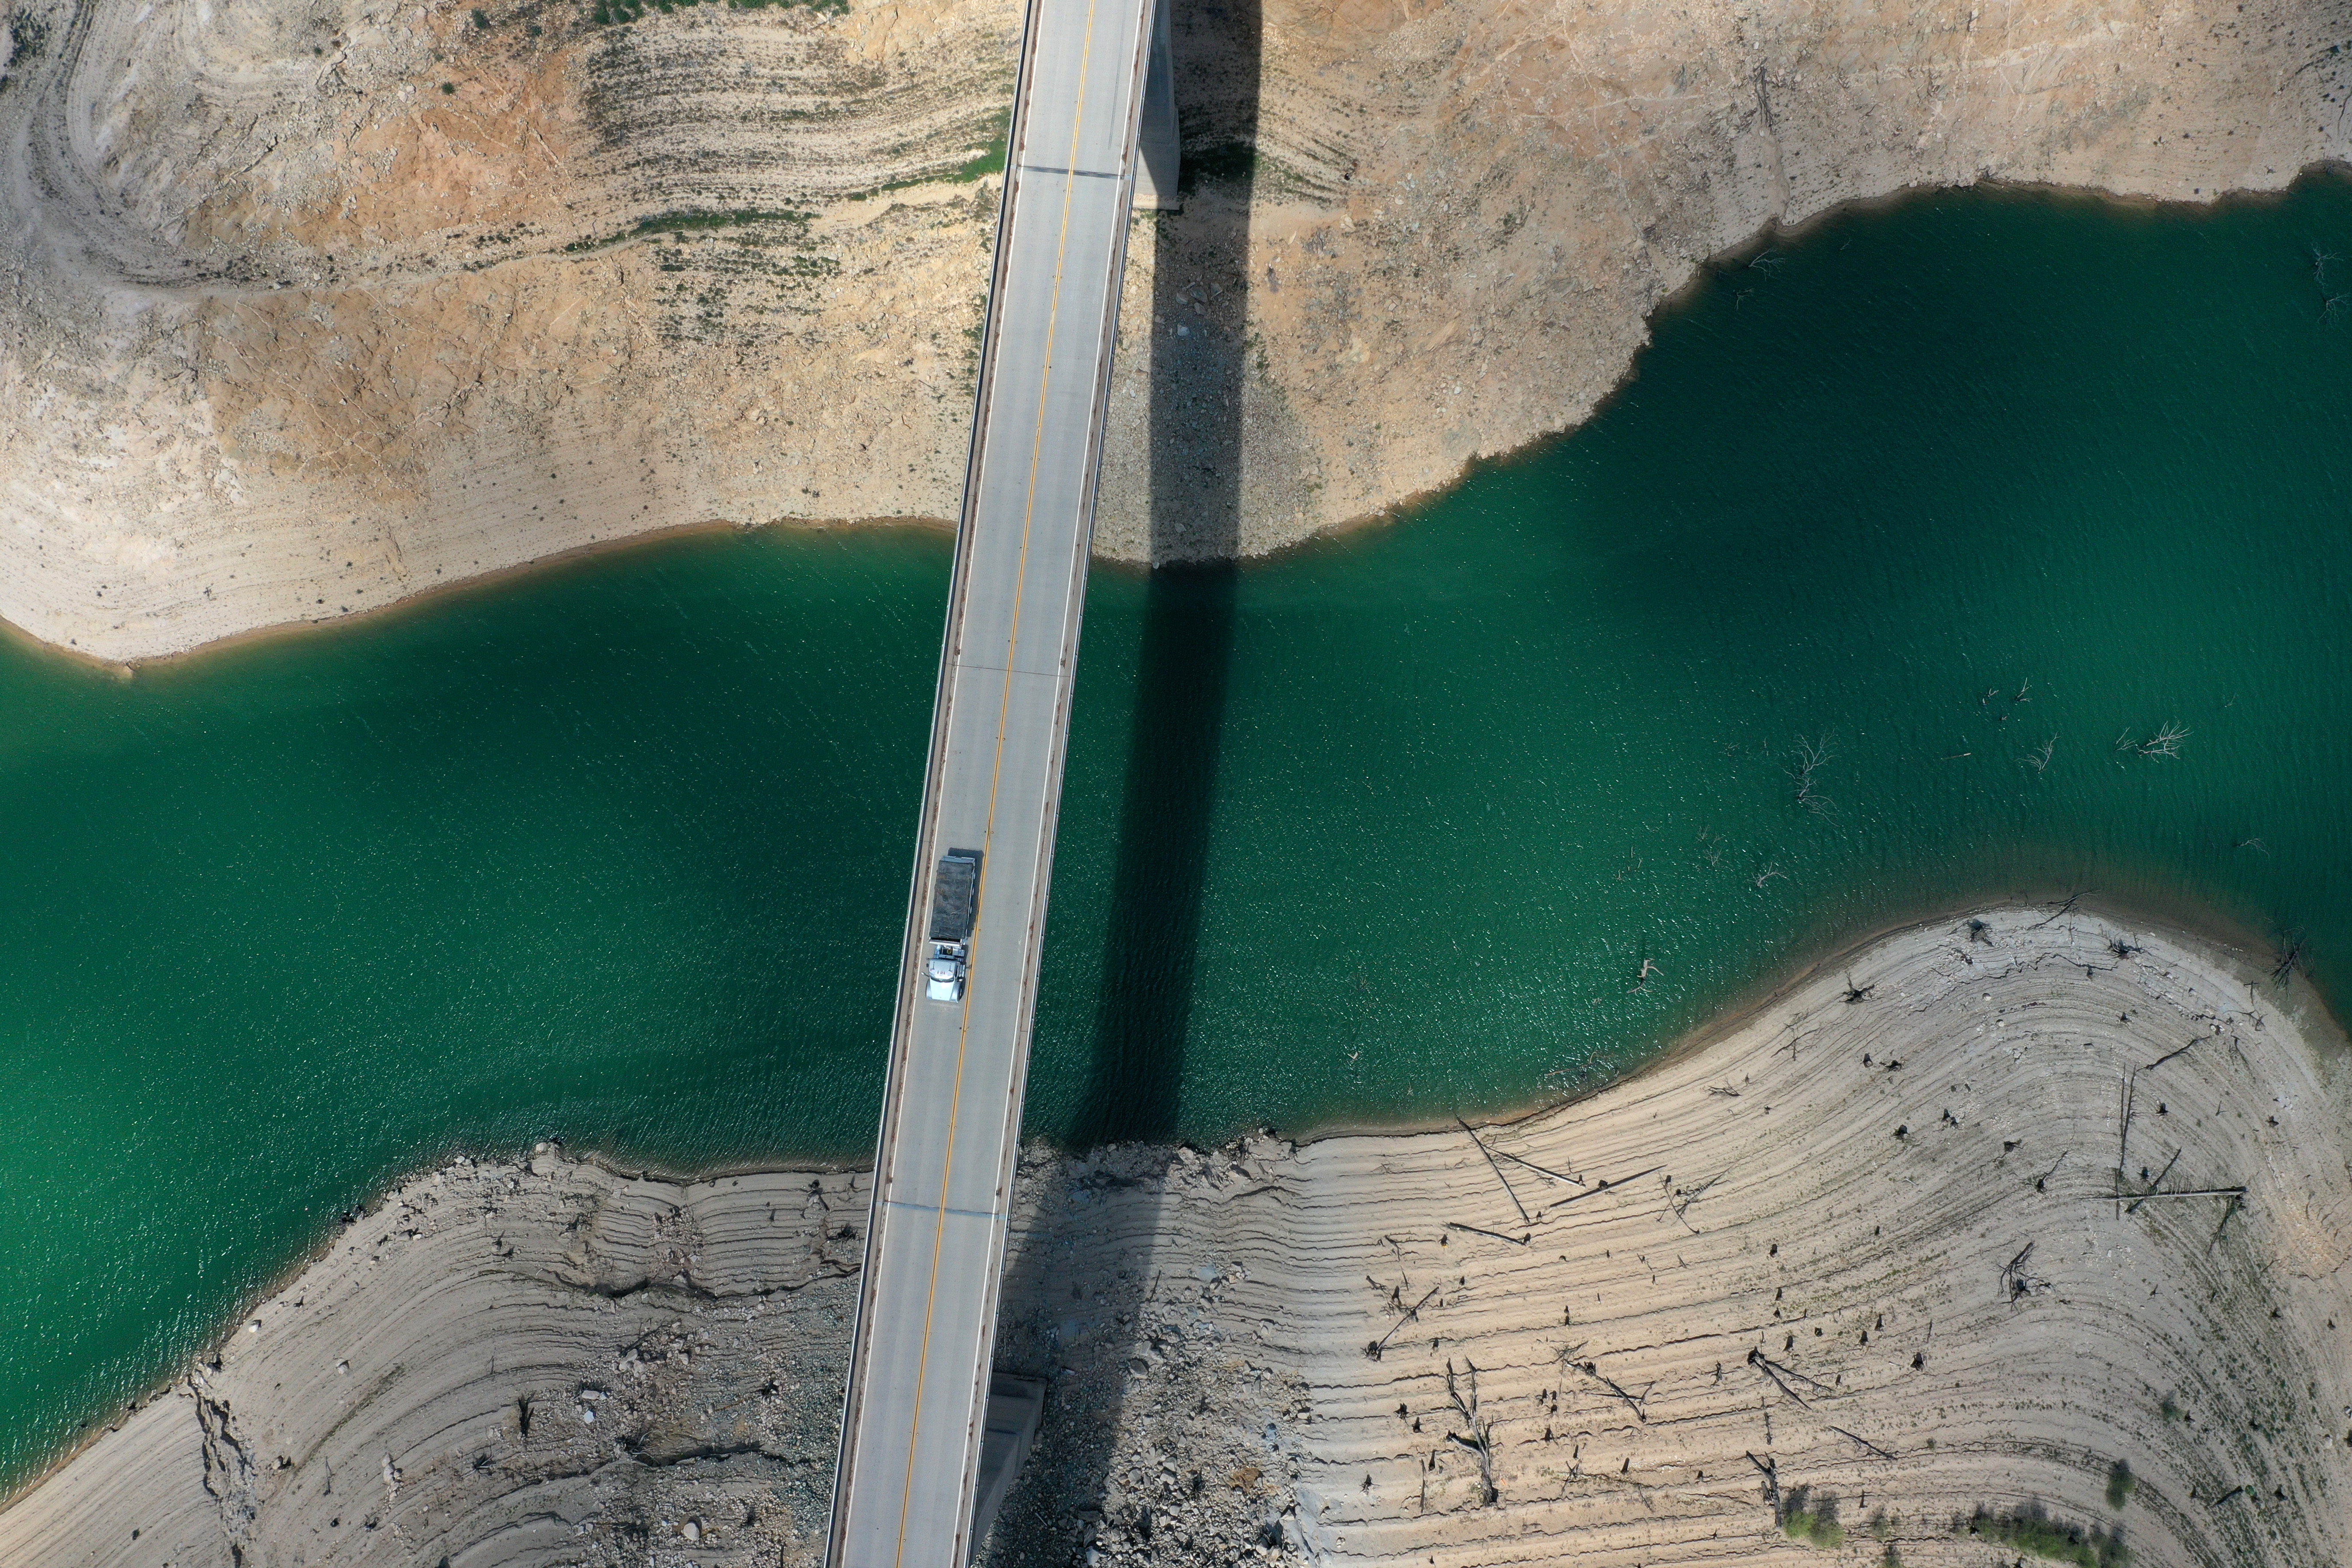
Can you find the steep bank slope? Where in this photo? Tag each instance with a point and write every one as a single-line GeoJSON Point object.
{"type": "Point", "coordinates": [314, 308]}
{"type": "Point", "coordinates": [1850, 1268]}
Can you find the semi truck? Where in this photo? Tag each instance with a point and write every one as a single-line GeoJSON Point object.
{"type": "Point", "coordinates": [955, 905]}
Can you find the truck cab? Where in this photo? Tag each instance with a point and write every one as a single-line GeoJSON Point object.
{"type": "Point", "coordinates": [943, 972]}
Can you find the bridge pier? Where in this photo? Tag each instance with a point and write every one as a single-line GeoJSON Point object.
{"type": "Point", "coordinates": [1161, 143]}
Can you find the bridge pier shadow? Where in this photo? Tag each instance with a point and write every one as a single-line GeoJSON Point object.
{"type": "Point", "coordinates": [1199, 332]}
{"type": "Point", "coordinates": [1143, 1013]}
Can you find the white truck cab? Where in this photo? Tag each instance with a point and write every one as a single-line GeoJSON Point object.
{"type": "Point", "coordinates": [943, 973]}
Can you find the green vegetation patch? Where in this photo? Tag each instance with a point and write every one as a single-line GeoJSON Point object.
{"type": "Point", "coordinates": [681, 224]}
{"type": "Point", "coordinates": [1806, 1517]}
{"type": "Point", "coordinates": [2031, 1530]}
{"type": "Point", "coordinates": [606, 13]}
{"type": "Point", "coordinates": [2121, 1484]}
{"type": "Point", "coordinates": [992, 160]}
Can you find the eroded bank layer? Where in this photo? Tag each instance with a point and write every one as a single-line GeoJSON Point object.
{"type": "Point", "coordinates": [314, 307]}
{"type": "Point", "coordinates": [1856, 1273]}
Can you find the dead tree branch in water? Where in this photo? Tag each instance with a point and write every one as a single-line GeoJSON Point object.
{"type": "Point", "coordinates": [1710, 846]}
{"type": "Point", "coordinates": [1811, 757]}
{"type": "Point", "coordinates": [2164, 742]}
{"type": "Point", "coordinates": [2039, 758]}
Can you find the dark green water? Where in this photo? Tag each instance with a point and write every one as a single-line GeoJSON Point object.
{"type": "Point", "coordinates": [618, 852]}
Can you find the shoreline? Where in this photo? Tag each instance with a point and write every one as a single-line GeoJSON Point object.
{"type": "Point", "coordinates": [1712, 269]}
{"type": "Point", "coordinates": [1399, 511]}
{"type": "Point", "coordinates": [2303, 1005]}
{"type": "Point", "coordinates": [2204, 929]}
{"type": "Point", "coordinates": [1453, 285]}
{"type": "Point", "coordinates": [427, 599]}
{"type": "Point", "coordinates": [1123, 1224]}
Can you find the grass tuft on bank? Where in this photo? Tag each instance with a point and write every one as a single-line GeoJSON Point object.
{"type": "Point", "coordinates": [609, 13]}
{"type": "Point", "coordinates": [2031, 1530]}
{"type": "Point", "coordinates": [683, 223]}
{"type": "Point", "coordinates": [1806, 1517]}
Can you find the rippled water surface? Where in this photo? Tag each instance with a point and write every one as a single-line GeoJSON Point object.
{"type": "Point", "coordinates": [619, 852]}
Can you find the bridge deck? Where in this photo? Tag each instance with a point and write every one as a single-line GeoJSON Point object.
{"type": "Point", "coordinates": [927, 1313]}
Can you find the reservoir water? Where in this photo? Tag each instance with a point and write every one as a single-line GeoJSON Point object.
{"type": "Point", "coordinates": [1879, 590]}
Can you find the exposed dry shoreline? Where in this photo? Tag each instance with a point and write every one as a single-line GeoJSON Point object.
{"type": "Point", "coordinates": [292, 331]}
{"type": "Point", "coordinates": [1900, 1285]}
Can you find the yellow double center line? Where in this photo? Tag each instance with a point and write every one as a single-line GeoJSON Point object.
{"type": "Point", "coordinates": [1003, 716]}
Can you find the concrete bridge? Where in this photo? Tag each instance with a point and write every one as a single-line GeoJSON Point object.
{"type": "Point", "coordinates": [919, 1379]}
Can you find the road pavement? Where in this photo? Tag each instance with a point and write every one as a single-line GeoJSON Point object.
{"type": "Point", "coordinates": [927, 1313]}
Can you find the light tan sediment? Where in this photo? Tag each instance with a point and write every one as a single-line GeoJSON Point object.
{"type": "Point", "coordinates": [499, 1364]}
{"type": "Point", "coordinates": [1867, 1238]}
{"type": "Point", "coordinates": [291, 333]}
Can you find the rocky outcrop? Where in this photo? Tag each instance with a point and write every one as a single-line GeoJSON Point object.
{"type": "Point", "coordinates": [315, 308]}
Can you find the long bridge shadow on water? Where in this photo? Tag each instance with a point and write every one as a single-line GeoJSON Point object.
{"type": "Point", "coordinates": [1080, 1328]}
{"type": "Point", "coordinates": [1198, 335]}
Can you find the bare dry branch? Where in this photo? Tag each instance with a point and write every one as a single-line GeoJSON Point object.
{"type": "Point", "coordinates": [1478, 1441]}
{"type": "Point", "coordinates": [1525, 1217]}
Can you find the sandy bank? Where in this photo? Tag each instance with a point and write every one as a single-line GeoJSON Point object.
{"type": "Point", "coordinates": [314, 309]}
{"type": "Point", "coordinates": [1865, 1240]}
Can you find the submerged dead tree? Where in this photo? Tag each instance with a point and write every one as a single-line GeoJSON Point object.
{"type": "Point", "coordinates": [2164, 742]}
{"type": "Point", "coordinates": [1811, 756]}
